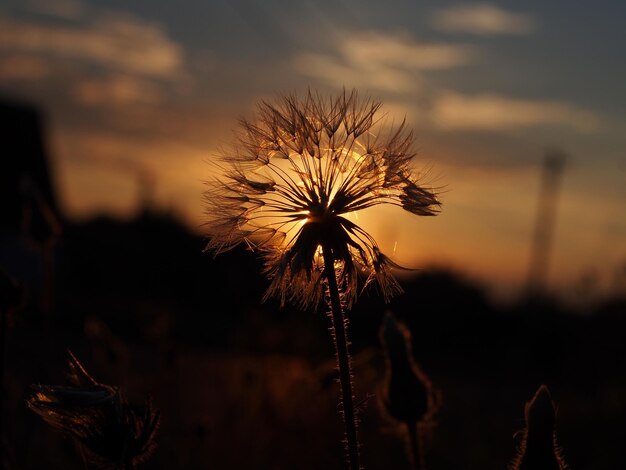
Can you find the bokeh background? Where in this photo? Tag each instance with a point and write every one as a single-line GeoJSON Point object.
{"type": "Point", "coordinates": [112, 113]}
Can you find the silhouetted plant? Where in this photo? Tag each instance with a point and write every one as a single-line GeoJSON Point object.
{"type": "Point", "coordinates": [109, 432]}
{"type": "Point", "coordinates": [10, 292]}
{"type": "Point", "coordinates": [289, 187]}
{"type": "Point", "coordinates": [538, 448]}
{"type": "Point", "coordinates": [407, 396]}
{"type": "Point", "coordinates": [10, 299]}
{"type": "Point", "coordinates": [41, 229]}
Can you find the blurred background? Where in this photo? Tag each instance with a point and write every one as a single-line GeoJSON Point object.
{"type": "Point", "coordinates": [112, 113]}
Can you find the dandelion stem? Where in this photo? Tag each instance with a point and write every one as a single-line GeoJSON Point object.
{"type": "Point", "coordinates": [343, 360]}
{"type": "Point", "coordinates": [415, 446]}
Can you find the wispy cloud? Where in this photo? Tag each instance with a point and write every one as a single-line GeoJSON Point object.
{"type": "Point", "coordinates": [379, 61]}
{"type": "Point", "coordinates": [66, 9]}
{"type": "Point", "coordinates": [455, 111]}
{"type": "Point", "coordinates": [402, 51]}
{"type": "Point", "coordinates": [85, 57]}
{"type": "Point", "coordinates": [23, 68]}
{"type": "Point", "coordinates": [482, 19]}
{"type": "Point", "coordinates": [117, 90]}
{"type": "Point", "coordinates": [339, 72]}
{"type": "Point", "coordinates": [119, 42]}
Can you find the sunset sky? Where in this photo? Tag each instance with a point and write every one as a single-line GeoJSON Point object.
{"type": "Point", "coordinates": [143, 93]}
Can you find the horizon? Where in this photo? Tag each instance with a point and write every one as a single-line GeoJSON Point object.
{"type": "Point", "coordinates": [139, 97]}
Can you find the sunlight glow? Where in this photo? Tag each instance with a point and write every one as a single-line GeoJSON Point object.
{"type": "Point", "coordinates": [297, 175]}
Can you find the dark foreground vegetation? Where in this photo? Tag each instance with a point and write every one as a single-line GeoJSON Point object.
{"type": "Point", "coordinates": [241, 384]}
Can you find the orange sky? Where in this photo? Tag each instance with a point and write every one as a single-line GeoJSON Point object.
{"type": "Point", "coordinates": [484, 229]}
{"type": "Point", "coordinates": [139, 96]}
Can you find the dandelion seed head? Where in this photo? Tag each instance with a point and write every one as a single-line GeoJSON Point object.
{"type": "Point", "coordinates": [293, 180]}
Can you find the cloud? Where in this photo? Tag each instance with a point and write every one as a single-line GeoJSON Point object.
{"type": "Point", "coordinates": [336, 71]}
{"type": "Point", "coordinates": [65, 9]}
{"type": "Point", "coordinates": [482, 19]}
{"type": "Point", "coordinates": [495, 112]}
{"type": "Point", "coordinates": [379, 61]}
{"type": "Point", "coordinates": [117, 90]}
{"type": "Point", "coordinates": [114, 41]}
{"type": "Point", "coordinates": [375, 48]}
{"type": "Point", "coordinates": [78, 57]}
{"type": "Point", "coordinates": [23, 68]}
{"type": "Point", "coordinates": [398, 110]}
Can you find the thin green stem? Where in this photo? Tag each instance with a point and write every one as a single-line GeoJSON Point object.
{"type": "Point", "coordinates": [343, 360]}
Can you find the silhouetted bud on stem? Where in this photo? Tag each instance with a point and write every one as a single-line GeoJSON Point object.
{"type": "Point", "coordinates": [538, 449]}
{"type": "Point", "coordinates": [111, 433]}
{"type": "Point", "coordinates": [408, 396]}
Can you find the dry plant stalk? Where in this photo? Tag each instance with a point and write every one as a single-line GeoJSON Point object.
{"type": "Point", "coordinates": [288, 190]}
{"type": "Point", "coordinates": [539, 448]}
{"type": "Point", "coordinates": [408, 396]}
{"type": "Point", "coordinates": [109, 432]}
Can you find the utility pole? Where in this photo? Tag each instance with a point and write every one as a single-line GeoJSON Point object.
{"type": "Point", "coordinates": [553, 166]}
